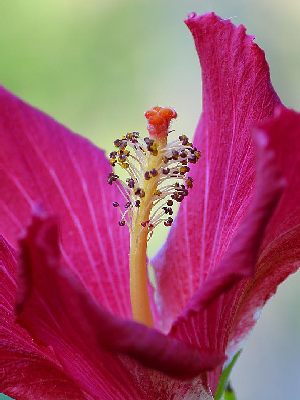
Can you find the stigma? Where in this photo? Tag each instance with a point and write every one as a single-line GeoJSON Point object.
{"type": "Point", "coordinates": [159, 119]}
{"type": "Point", "coordinates": [156, 178]}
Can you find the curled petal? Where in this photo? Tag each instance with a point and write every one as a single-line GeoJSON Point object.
{"type": "Point", "coordinates": [57, 310]}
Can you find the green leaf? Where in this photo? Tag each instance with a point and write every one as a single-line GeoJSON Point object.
{"type": "Point", "coordinates": [229, 393]}
{"type": "Point", "coordinates": [221, 390]}
{"type": "Point", "coordinates": [229, 396]}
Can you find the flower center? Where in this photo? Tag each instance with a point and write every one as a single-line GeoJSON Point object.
{"type": "Point", "coordinates": [157, 178]}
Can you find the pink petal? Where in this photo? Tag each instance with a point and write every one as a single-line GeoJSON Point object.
{"type": "Point", "coordinates": [41, 162]}
{"type": "Point", "coordinates": [237, 94]}
{"type": "Point", "coordinates": [57, 310]}
{"type": "Point", "coordinates": [27, 371]}
{"type": "Point", "coordinates": [212, 313]}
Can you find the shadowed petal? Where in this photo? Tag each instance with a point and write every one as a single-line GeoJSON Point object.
{"type": "Point", "coordinates": [237, 94]}
{"type": "Point", "coordinates": [27, 371]}
{"type": "Point", "coordinates": [57, 310]}
{"type": "Point", "coordinates": [41, 162]}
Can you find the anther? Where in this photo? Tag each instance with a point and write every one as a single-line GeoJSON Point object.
{"type": "Point", "coordinates": [117, 142]}
{"type": "Point", "coordinates": [115, 204]}
{"type": "Point", "coordinates": [183, 170]}
{"type": "Point", "coordinates": [184, 140]}
{"type": "Point", "coordinates": [122, 222]}
{"type": "Point", "coordinates": [148, 141]}
{"type": "Point", "coordinates": [130, 183]}
{"type": "Point", "coordinates": [189, 182]}
{"type": "Point", "coordinates": [132, 136]}
{"type": "Point", "coordinates": [147, 175]}
{"type": "Point", "coordinates": [140, 192]}
{"type": "Point", "coordinates": [192, 159]}
{"type": "Point", "coordinates": [112, 178]}
{"type": "Point", "coordinates": [183, 154]}
{"type": "Point", "coordinates": [168, 222]}
{"type": "Point", "coordinates": [175, 154]}
{"type": "Point", "coordinates": [122, 158]}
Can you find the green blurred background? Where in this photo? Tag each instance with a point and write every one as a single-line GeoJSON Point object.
{"type": "Point", "coordinates": [96, 65]}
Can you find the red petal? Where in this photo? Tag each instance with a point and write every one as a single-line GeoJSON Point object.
{"type": "Point", "coordinates": [237, 94]}
{"type": "Point", "coordinates": [57, 310]}
{"type": "Point", "coordinates": [27, 371]}
{"type": "Point", "coordinates": [42, 162]}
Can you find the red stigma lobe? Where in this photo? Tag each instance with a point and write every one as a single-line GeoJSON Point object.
{"type": "Point", "coordinates": [159, 119]}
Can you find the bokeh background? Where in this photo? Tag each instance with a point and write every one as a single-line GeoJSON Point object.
{"type": "Point", "coordinates": [96, 65]}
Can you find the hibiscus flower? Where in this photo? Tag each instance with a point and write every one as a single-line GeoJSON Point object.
{"type": "Point", "coordinates": [83, 330]}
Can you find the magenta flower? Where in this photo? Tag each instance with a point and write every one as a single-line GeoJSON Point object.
{"type": "Point", "coordinates": [236, 237]}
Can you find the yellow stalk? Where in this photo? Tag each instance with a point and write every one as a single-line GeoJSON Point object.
{"type": "Point", "coordinates": [138, 242]}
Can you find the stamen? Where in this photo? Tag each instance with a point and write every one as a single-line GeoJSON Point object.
{"type": "Point", "coordinates": [157, 179]}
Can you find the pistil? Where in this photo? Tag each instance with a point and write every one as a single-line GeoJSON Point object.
{"type": "Point", "coordinates": [148, 193]}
